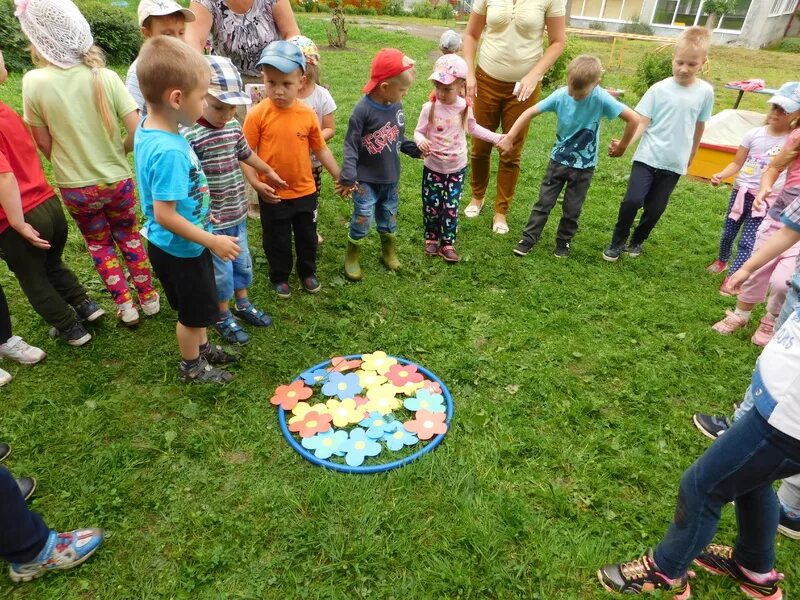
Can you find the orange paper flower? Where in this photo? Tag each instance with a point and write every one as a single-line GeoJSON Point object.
{"type": "Point", "coordinates": [287, 396]}
{"type": "Point", "coordinates": [427, 424]}
{"type": "Point", "coordinates": [341, 364]}
{"type": "Point", "coordinates": [312, 423]}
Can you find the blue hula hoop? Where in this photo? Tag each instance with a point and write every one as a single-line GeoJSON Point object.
{"type": "Point", "coordinates": [429, 447]}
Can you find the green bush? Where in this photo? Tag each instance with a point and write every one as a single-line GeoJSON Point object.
{"type": "Point", "coordinates": [597, 25]}
{"type": "Point", "coordinates": [789, 45]}
{"type": "Point", "coordinates": [556, 76]}
{"type": "Point", "coordinates": [394, 8]}
{"type": "Point", "coordinates": [114, 30]}
{"type": "Point", "coordinates": [14, 43]}
{"type": "Point", "coordinates": [351, 10]}
{"type": "Point", "coordinates": [654, 67]}
{"type": "Point", "coordinates": [422, 9]}
{"type": "Point", "coordinates": [444, 11]}
{"type": "Point", "coordinates": [636, 27]}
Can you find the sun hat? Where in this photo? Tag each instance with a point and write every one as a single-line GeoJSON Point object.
{"type": "Point", "coordinates": [283, 56]}
{"type": "Point", "coordinates": [57, 29]}
{"type": "Point", "coordinates": [309, 48]}
{"type": "Point", "coordinates": [388, 63]}
{"type": "Point", "coordinates": [450, 41]}
{"type": "Point", "coordinates": [787, 97]}
{"type": "Point", "coordinates": [226, 83]}
{"type": "Point", "coordinates": [159, 8]}
{"type": "Point", "coordinates": [448, 68]}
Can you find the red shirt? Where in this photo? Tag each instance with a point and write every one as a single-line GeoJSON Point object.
{"type": "Point", "coordinates": [18, 156]}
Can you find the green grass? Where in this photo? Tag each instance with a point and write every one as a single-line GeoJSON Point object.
{"type": "Point", "coordinates": [574, 383]}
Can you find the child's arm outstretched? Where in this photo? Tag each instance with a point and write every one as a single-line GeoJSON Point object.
{"type": "Point", "coordinates": [776, 167]}
{"type": "Point", "coordinates": [166, 215]}
{"type": "Point", "coordinates": [352, 143]}
{"type": "Point", "coordinates": [325, 156]}
{"type": "Point", "coordinates": [617, 147]}
{"type": "Point", "coordinates": [780, 242]}
{"type": "Point", "coordinates": [699, 128]}
{"type": "Point", "coordinates": [732, 168]}
{"type": "Point", "coordinates": [507, 143]}
{"type": "Point", "coordinates": [421, 131]}
{"type": "Point", "coordinates": [11, 202]}
{"type": "Point", "coordinates": [253, 165]}
{"type": "Point", "coordinates": [328, 126]}
{"type": "Point", "coordinates": [480, 132]}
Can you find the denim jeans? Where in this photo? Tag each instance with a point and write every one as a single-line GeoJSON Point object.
{"type": "Point", "coordinates": [378, 200]}
{"type": "Point", "coordinates": [740, 465]}
{"type": "Point", "coordinates": [24, 532]}
{"type": "Point", "coordinates": [236, 274]}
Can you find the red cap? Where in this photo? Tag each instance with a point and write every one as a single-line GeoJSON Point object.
{"type": "Point", "coordinates": [387, 63]}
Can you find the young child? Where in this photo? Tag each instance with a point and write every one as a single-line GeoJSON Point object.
{"type": "Point", "coordinates": [175, 202]}
{"type": "Point", "coordinates": [672, 119]}
{"type": "Point", "coordinates": [440, 135]}
{"type": "Point", "coordinates": [283, 132]}
{"type": "Point", "coordinates": [219, 144]}
{"type": "Point", "coordinates": [450, 42]}
{"type": "Point", "coordinates": [371, 165]}
{"type": "Point", "coordinates": [33, 233]}
{"type": "Point", "coordinates": [74, 105]}
{"type": "Point", "coordinates": [319, 98]}
{"type": "Point", "coordinates": [580, 107]}
{"type": "Point", "coordinates": [157, 17]}
{"type": "Point", "coordinates": [759, 146]}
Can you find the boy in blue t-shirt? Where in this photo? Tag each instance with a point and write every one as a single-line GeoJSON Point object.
{"type": "Point", "coordinates": [579, 107]}
{"type": "Point", "coordinates": [673, 114]}
{"type": "Point", "coordinates": [174, 193]}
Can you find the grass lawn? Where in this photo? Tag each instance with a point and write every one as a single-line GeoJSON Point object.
{"type": "Point", "coordinates": [574, 384]}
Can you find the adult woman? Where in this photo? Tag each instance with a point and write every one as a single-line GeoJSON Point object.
{"type": "Point", "coordinates": [511, 52]}
{"type": "Point", "coordinates": [241, 29]}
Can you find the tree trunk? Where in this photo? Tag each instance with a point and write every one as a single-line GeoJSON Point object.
{"type": "Point", "coordinates": [711, 22]}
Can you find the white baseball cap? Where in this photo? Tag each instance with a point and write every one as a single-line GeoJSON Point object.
{"type": "Point", "coordinates": [159, 8]}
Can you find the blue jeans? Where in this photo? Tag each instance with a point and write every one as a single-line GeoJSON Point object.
{"type": "Point", "coordinates": [24, 532]}
{"type": "Point", "coordinates": [740, 465]}
{"type": "Point", "coordinates": [236, 274]}
{"type": "Point", "coordinates": [378, 200]}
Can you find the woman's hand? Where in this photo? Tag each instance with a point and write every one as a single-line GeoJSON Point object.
{"type": "Point", "coordinates": [527, 85]}
{"type": "Point", "coordinates": [472, 87]}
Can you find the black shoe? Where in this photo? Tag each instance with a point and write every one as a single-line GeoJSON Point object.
{"type": "Point", "coordinates": [88, 310]}
{"type": "Point", "coordinates": [26, 485]}
{"type": "Point", "coordinates": [633, 250]}
{"type": "Point", "coordinates": [562, 249]}
{"type": "Point", "coordinates": [642, 575]}
{"type": "Point", "coordinates": [611, 254]}
{"type": "Point", "coordinates": [788, 526]}
{"type": "Point", "coordinates": [203, 372]}
{"type": "Point", "coordinates": [5, 450]}
{"type": "Point", "coordinates": [217, 355]}
{"type": "Point", "coordinates": [75, 335]}
{"type": "Point", "coordinates": [711, 426]}
{"type": "Point", "coordinates": [523, 247]}
{"type": "Point", "coordinates": [718, 559]}
{"type": "Point", "coordinates": [311, 284]}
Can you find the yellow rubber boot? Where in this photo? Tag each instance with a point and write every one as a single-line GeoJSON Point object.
{"type": "Point", "coordinates": [389, 250]}
{"type": "Point", "coordinates": [352, 268]}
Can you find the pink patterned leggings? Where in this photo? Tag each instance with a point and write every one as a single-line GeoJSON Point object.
{"type": "Point", "coordinates": [106, 214]}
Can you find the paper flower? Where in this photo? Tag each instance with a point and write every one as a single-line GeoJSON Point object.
{"type": "Point", "coordinates": [341, 364]}
{"type": "Point", "coordinates": [400, 375]}
{"type": "Point", "coordinates": [398, 436]}
{"type": "Point", "coordinates": [432, 386]}
{"type": "Point", "coordinates": [311, 423]}
{"type": "Point", "coordinates": [382, 399]}
{"type": "Point", "coordinates": [300, 410]}
{"type": "Point", "coordinates": [377, 425]}
{"type": "Point", "coordinates": [377, 361]}
{"type": "Point", "coordinates": [287, 396]}
{"type": "Point", "coordinates": [325, 444]}
{"type": "Point", "coordinates": [360, 400]}
{"type": "Point", "coordinates": [427, 424]}
{"type": "Point", "coordinates": [369, 378]}
{"type": "Point", "coordinates": [345, 412]}
{"type": "Point", "coordinates": [314, 376]}
{"type": "Point", "coordinates": [425, 400]}
{"type": "Point", "coordinates": [409, 389]}
{"type": "Point", "coordinates": [358, 446]}
{"type": "Point", "coordinates": [341, 385]}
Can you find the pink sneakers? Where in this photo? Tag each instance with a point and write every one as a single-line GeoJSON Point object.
{"type": "Point", "coordinates": [765, 331]}
{"type": "Point", "coordinates": [718, 266]}
{"type": "Point", "coordinates": [729, 324]}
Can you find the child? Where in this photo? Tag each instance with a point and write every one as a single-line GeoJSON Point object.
{"type": "Point", "coordinates": [175, 202]}
{"type": "Point", "coordinates": [672, 119]}
{"type": "Point", "coordinates": [219, 144]}
{"type": "Point", "coordinates": [13, 346]}
{"type": "Point", "coordinates": [371, 165]}
{"type": "Point", "coordinates": [73, 105]}
{"type": "Point", "coordinates": [450, 42]}
{"type": "Point", "coordinates": [758, 147]}
{"type": "Point", "coordinates": [283, 132]}
{"type": "Point", "coordinates": [440, 135]}
{"type": "Point", "coordinates": [33, 233]}
{"type": "Point", "coordinates": [157, 17]}
{"type": "Point", "coordinates": [580, 106]}
{"type": "Point", "coordinates": [319, 98]}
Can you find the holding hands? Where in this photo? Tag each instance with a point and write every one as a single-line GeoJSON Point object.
{"type": "Point", "coordinates": [616, 148]}
{"type": "Point", "coordinates": [224, 246]}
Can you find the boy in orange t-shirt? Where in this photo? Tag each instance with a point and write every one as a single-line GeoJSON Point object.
{"type": "Point", "coordinates": [282, 131]}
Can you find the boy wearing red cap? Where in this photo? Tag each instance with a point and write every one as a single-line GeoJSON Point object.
{"type": "Point", "coordinates": [371, 166]}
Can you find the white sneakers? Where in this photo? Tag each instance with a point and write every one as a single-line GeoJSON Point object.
{"type": "Point", "coordinates": [5, 377]}
{"type": "Point", "coordinates": [129, 316]}
{"type": "Point", "coordinates": [19, 350]}
{"type": "Point", "coordinates": [152, 307]}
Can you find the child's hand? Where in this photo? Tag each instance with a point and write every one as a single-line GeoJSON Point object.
{"type": "Point", "coordinates": [424, 147]}
{"type": "Point", "coordinates": [616, 149]}
{"type": "Point", "coordinates": [760, 198]}
{"type": "Point", "coordinates": [32, 236]}
{"type": "Point", "coordinates": [344, 189]}
{"type": "Point", "coordinates": [275, 179]}
{"type": "Point", "coordinates": [735, 281]}
{"type": "Point", "coordinates": [266, 193]}
{"type": "Point", "coordinates": [505, 145]}
{"type": "Point", "coordinates": [716, 179]}
{"type": "Point", "coordinates": [497, 145]}
{"type": "Point", "coordinates": [225, 246]}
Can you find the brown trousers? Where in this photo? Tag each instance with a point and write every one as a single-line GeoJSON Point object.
{"type": "Point", "coordinates": [496, 105]}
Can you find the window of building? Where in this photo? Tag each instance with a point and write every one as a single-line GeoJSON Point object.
{"type": "Point", "coordinates": [685, 13]}
{"type": "Point", "coordinates": [782, 7]}
{"type": "Point", "coordinates": [607, 10]}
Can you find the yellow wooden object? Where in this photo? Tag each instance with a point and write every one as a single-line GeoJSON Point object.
{"type": "Point", "coordinates": [711, 159]}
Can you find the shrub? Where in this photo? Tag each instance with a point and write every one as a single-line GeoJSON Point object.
{"type": "Point", "coordinates": [556, 76]}
{"type": "Point", "coordinates": [444, 11]}
{"type": "Point", "coordinates": [394, 8]}
{"type": "Point", "coordinates": [597, 25]}
{"type": "Point", "coordinates": [351, 10]}
{"type": "Point", "coordinates": [636, 27]}
{"type": "Point", "coordinates": [422, 9]}
{"type": "Point", "coordinates": [654, 67]}
{"type": "Point", "coordinates": [789, 45]}
{"type": "Point", "coordinates": [114, 30]}
{"type": "Point", "coordinates": [15, 44]}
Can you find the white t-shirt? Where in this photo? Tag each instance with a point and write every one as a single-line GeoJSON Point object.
{"type": "Point", "coordinates": [761, 149]}
{"type": "Point", "coordinates": [321, 101]}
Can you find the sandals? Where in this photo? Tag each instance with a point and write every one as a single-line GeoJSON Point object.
{"type": "Point", "coordinates": [473, 210]}
{"type": "Point", "coordinates": [231, 331]}
{"type": "Point", "coordinates": [500, 227]}
{"type": "Point", "coordinates": [253, 316]}
{"type": "Point", "coordinates": [203, 372]}
{"type": "Point", "coordinates": [217, 355]}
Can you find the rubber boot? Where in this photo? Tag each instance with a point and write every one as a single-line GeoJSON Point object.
{"type": "Point", "coordinates": [389, 250]}
{"type": "Point", "coordinates": [352, 268]}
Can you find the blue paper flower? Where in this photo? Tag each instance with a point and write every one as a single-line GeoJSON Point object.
{"type": "Point", "coordinates": [377, 424]}
{"type": "Point", "coordinates": [358, 447]}
{"type": "Point", "coordinates": [343, 385]}
{"type": "Point", "coordinates": [398, 436]}
{"type": "Point", "coordinates": [314, 376]}
{"type": "Point", "coordinates": [425, 400]}
{"type": "Point", "coordinates": [326, 444]}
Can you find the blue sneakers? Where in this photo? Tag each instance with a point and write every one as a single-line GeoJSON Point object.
{"type": "Point", "coordinates": [61, 551]}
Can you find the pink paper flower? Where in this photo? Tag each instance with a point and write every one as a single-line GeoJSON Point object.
{"type": "Point", "coordinates": [400, 375]}
{"type": "Point", "coordinates": [427, 424]}
{"type": "Point", "coordinates": [287, 396]}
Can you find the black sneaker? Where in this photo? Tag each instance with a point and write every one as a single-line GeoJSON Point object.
{"type": "Point", "coordinates": [711, 426]}
{"type": "Point", "coordinates": [75, 335]}
{"type": "Point", "coordinates": [562, 249]}
{"type": "Point", "coordinates": [611, 254]}
{"type": "Point", "coordinates": [5, 450]}
{"type": "Point", "coordinates": [523, 247]}
{"type": "Point", "coordinates": [217, 355]}
{"type": "Point", "coordinates": [788, 526]}
{"type": "Point", "coordinates": [202, 372]}
{"type": "Point", "coordinates": [718, 559]}
{"type": "Point", "coordinates": [311, 284]}
{"type": "Point", "coordinates": [282, 290]}
{"type": "Point", "coordinates": [88, 310]}
{"type": "Point", "coordinates": [633, 250]}
{"type": "Point", "coordinates": [26, 485]}
{"type": "Point", "coordinates": [640, 576]}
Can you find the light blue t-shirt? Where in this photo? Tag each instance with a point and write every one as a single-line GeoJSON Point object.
{"type": "Point", "coordinates": [579, 124]}
{"type": "Point", "coordinates": [673, 110]}
{"type": "Point", "coordinates": [168, 170]}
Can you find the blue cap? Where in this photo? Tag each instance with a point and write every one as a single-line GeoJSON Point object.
{"type": "Point", "coordinates": [284, 56]}
{"type": "Point", "coordinates": [787, 97]}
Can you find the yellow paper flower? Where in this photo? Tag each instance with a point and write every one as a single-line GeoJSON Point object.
{"type": "Point", "coordinates": [410, 388]}
{"type": "Point", "coordinates": [345, 412]}
{"type": "Point", "coordinates": [381, 399]}
{"type": "Point", "coordinates": [301, 408]}
{"type": "Point", "coordinates": [367, 379]}
{"type": "Point", "coordinates": [377, 361]}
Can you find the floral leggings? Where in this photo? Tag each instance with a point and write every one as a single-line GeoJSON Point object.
{"type": "Point", "coordinates": [441, 193]}
{"type": "Point", "coordinates": [106, 214]}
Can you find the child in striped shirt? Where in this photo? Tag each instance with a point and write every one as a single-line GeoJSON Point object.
{"type": "Point", "coordinates": [218, 141]}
